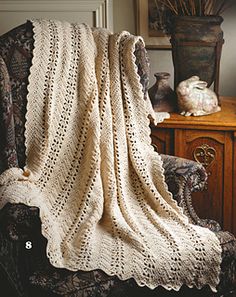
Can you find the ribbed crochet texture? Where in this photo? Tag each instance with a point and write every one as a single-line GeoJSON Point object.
{"type": "Point", "coordinates": [91, 168]}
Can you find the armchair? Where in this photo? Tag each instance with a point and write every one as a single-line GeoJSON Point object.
{"type": "Point", "coordinates": [23, 262]}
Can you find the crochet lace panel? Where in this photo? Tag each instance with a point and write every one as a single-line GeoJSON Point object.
{"type": "Point", "coordinates": [91, 168]}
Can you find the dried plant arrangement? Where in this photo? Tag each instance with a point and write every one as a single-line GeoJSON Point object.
{"type": "Point", "coordinates": [196, 7]}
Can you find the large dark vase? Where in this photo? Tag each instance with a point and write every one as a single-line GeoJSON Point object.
{"type": "Point", "coordinates": [196, 48]}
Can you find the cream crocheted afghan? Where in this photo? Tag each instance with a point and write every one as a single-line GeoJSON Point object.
{"type": "Point", "coordinates": [91, 168]}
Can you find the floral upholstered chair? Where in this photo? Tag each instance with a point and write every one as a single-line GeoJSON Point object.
{"type": "Point", "coordinates": [24, 268]}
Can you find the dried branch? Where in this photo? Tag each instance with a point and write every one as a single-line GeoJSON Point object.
{"type": "Point", "coordinates": [197, 7]}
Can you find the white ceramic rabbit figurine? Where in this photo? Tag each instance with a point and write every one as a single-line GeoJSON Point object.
{"type": "Point", "coordinates": [194, 98]}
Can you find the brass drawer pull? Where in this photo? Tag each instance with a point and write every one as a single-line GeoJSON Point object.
{"type": "Point", "coordinates": [204, 154]}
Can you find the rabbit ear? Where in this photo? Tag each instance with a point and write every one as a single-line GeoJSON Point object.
{"type": "Point", "coordinates": [201, 85]}
{"type": "Point", "coordinates": [194, 78]}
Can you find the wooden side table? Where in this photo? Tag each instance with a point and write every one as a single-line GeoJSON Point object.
{"type": "Point", "coordinates": [210, 140]}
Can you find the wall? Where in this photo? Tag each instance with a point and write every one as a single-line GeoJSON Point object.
{"type": "Point", "coordinates": [124, 19]}
{"type": "Point", "coordinates": [97, 13]}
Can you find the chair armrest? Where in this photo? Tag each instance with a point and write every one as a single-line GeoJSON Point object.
{"type": "Point", "coordinates": [188, 171]}
{"type": "Point", "coordinates": [184, 177]}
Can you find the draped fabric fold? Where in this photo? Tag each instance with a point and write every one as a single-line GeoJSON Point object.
{"type": "Point", "coordinates": [91, 168]}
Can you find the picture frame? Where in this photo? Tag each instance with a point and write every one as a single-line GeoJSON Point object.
{"type": "Point", "coordinates": [154, 38]}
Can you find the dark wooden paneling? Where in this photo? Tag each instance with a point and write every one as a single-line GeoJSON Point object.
{"type": "Point", "coordinates": [162, 140]}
